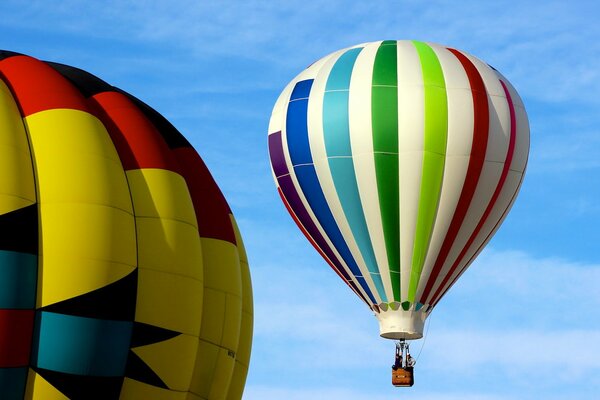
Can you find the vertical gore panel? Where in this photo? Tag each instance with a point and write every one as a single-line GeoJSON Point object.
{"type": "Point", "coordinates": [242, 356]}
{"type": "Point", "coordinates": [336, 132]}
{"type": "Point", "coordinates": [488, 210]}
{"type": "Point", "coordinates": [384, 114]}
{"type": "Point", "coordinates": [18, 247]}
{"type": "Point", "coordinates": [436, 137]}
{"type": "Point", "coordinates": [85, 207]}
{"type": "Point", "coordinates": [476, 161]}
{"type": "Point", "coordinates": [299, 148]}
{"type": "Point", "coordinates": [212, 211]}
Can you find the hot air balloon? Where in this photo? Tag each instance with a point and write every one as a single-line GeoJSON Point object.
{"type": "Point", "coordinates": [399, 160]}
{"type": "Point", "coordinates": [122, 271]}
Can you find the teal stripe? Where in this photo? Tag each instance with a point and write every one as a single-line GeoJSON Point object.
{"type": "Point", "coordinates": [384, 123]}
{"type": "Point", "coordinates": [18, 280]}
{"type": "Point", "coordinates": [336, 132]}
{"type": "Point", "coordinates": [435, 140]}
{"type": "Point", "coordinates": [80, 345]}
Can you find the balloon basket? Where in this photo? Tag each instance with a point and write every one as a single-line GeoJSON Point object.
{"type": "Point", "coordinates": [403, 377]}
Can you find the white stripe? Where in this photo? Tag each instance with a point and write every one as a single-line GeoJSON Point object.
{"type": "Point", "coordinates": [411, 132]}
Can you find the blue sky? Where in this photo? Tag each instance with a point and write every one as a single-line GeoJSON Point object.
{"type": "Point", "coordinates": [522, 323]}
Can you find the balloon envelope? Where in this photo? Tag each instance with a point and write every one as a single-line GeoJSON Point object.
{"type": "Point", "coordinates": [399, 160]}
{"type": "Point", "coordinates": [122, 272]}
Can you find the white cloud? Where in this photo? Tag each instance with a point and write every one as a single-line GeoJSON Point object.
{"type": "Point", "coordinates": [513, 316]}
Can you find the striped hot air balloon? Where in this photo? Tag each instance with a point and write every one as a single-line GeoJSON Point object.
{"type": "Point", "coordinates": [122, 272]}
{"type": "Point", "coordinates": [399, 160]}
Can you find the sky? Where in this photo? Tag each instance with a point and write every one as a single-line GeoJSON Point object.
{"type": "Point", "coordinates": [522, 323]}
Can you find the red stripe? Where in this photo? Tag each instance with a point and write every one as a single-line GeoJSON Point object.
{"type": "Point", "coordinates": [38, 87]}
{"type": "Point", "coordinates": [16, 330]}
{"type": "Point", "coordinates": [137, 141]}
{"type": "Point", "coordinates": [316, 246]}
{"type": "Point", "coordinates": [481, 125]}
{"type": "Point", "coordinates": [493, 200]}
{"type": "Point", "coordinates": [487, 239]}
{"type": "Point", "coordinates": [212, 211]}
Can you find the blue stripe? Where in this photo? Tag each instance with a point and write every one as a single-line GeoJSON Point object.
{"type": "Point", "coordinates": [336, 130]}
{"type": "Point", "coordinates": [299, 148]}
{"type": "Point", "coordinates": [80, 345]}
{"type": "Point", "coordinates": [297, 132]}
{"type": "Point", "coordinates": [301, 90]}
{"type": "Point", "coordinates": [18, 279]}
{"type": "Point", "coordinates": [12, 383]}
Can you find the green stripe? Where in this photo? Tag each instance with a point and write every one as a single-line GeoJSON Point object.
{"type": "Point", "coordinates": [384, 120]}
{"type": "Point", "coordinates": [436, 137]}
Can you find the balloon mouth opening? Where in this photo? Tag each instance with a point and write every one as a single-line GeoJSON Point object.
{"type": "Point", "coordinates": [401, 335]}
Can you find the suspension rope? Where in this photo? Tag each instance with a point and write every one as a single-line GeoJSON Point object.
{"type": "Point", "coordinates": [424, 337]}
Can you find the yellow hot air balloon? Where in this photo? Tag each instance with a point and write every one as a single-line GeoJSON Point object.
{"type": "Point", "coordinates": [399, 160]}
{"type": "Point", "coordinates": [122, 272]}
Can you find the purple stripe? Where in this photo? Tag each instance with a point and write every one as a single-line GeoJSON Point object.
{"type": "Point", "coordinates": [276, 154]}
{"type": "Point", "coordinates": [291, 195]}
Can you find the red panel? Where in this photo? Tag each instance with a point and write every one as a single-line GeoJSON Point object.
{"type": "Point", "coordinates": [37, 87]}
{"type": "Point", "coordinates": [212, 211]}
{"type": "Point", "coordinates": [16, 329]}
{"type": "Point", "coordinates": [137, 141]}
{"type": "Point", "coordinates": [481, 126]}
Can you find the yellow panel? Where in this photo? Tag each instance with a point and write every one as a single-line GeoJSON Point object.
{"type": "Point", "coordinates": [223, 375]}
{"type": "Point", "coordinates": [238, 381]}
{"type": "Point", "coordinates": [232, 322]}
{"type": "Point", "coordinates": [238, 239]}
{"type": "Point", "coordinates": [245, 343]}
{"type": "Point", "coordinates": [242, 357]}
{"type": "Point", "coordinates": [213, 315]}
{"type": "Point", "coordinates": [170, 246]}
{"type": "Point", "coordinates": [192, 396]}
{"type": "Point", "coordinates": [221, 266]}
{"type": "Point", "coordinates": [83, 247]}
{"type": "Point", "coordinates": [213, 371]}
{"type": "Point", "coordinates": [17, 189]}
{"type": "Point", "coordinates": [39, 389]}
{"type": "Point", "coordinates": [75, 160]}
{"type": "Point", "coordinates": [161, 193]}
{"type": "Point", "coordinates": [170, 301]}
{"type": "Point", "coordinates": [134, 390]}
{"type": "Point", "coordinates": [172, 360]}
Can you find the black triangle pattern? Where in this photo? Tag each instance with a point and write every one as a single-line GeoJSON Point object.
{"type": "Point", "coordinates": [115, 301]}
{"type": "Point", "coordinates": [140, 371]}
{"type": "Point", "coordinates": [78, 387]}
{"type": "Point", "coordinates": [19, 230]}
{"type": "Point", "coordinates": [145, 334]}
